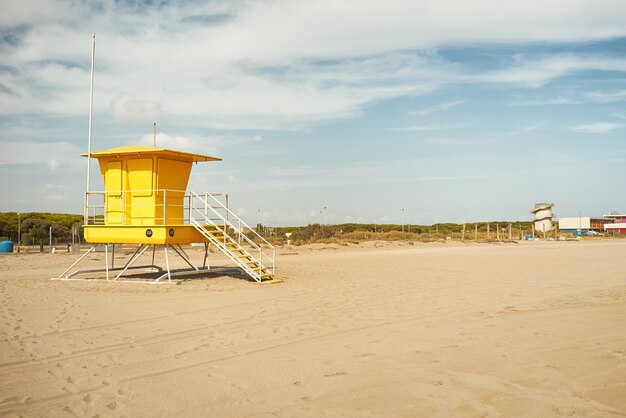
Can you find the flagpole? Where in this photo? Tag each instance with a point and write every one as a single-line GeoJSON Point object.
{"type": "Point", "coordinates": [86, 201]}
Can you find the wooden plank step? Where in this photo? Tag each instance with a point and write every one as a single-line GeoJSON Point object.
{"type": "Point", "coordinates": [272, 281]}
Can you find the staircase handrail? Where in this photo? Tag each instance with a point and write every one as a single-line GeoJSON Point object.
{"type": "Point", "coordinates": [238, 228]}
{"type": "Point", "coordinates": [194, 194]}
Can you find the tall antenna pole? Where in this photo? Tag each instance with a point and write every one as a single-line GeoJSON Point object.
{"type": "Point", "coordinates": [93, 56]}
{"type": "Point", "coordinates": [154, 134]}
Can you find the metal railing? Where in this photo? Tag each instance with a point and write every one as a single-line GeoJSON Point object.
{"type": "Point", "coordinates": [117, 207]}
{"type": "Point", "coordinates": [208, 209]}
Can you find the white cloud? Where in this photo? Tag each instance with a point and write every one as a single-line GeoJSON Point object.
{"type": "Point", "coordinates": [52, 155]}
{"type": "Point", "coordinates": [596, 128]}
{"type": "Point", "coordinates": [372, 27]}
{"type": "Point", "coordinates": [526, 129]}
{"type": "Point", "coordinates": [53, 164]}
{"type": "Point", "coordinates": [315, 61]}
{"type": "Point", "coordinates": [56, 192]}
{"type": "Point", "coordinates": [536, 72]}
{"type": "Point", "coordinates": [547, 102]}
{"type": "Point", "coordinates": [127, 109]}
{"type": "Point", "coordinates": [419, 128]}
{"type": "Point", "coordinates": [607, 97]}
{"type": "Point", "coordinates": [56, 197]}
{"type": "Point", "coordinates": [178, 142]}
{"type": "Point", "coordinates": [437, 108]}
{"type": "Point", "coordinates": [451, 141]}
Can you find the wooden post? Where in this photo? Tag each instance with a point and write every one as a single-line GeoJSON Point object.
{"type": "Point", "coordinates": [498, 232]}
{"type": "Point", "coordinates": [476, 231]}
{"type": "Point", "coordinates": [488, 231]}
{"type": "Point", "coordinates": [543, 230]}
{"type": "Point", "coordinates": [533, 230]}
{"type": "Point", "coordinates": [510, 232]}
{"type": "Point", "coordinates": [463, 233]}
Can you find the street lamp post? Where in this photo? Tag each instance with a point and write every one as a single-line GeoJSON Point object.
{"type": "Point", "coordinates": [325, 209]}
{"type": "Point", "coordinates": [19, 229]}
{"type": "Point", "coordinates": [402, 218]}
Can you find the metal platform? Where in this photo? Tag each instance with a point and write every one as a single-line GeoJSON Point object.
{"type": "Point", "coordinates": [164, 275]}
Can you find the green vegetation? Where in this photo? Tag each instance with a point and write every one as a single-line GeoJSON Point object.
{"type": "Point", "coordinates": [35, 226]}
{"type": "Point", "coordinates": [392, 232]}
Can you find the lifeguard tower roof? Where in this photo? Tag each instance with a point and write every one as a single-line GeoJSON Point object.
{"type": "Point", "coordinates": [138, 150]}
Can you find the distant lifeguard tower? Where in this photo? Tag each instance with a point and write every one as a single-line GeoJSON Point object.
{"type": "Point", "coordinates": [145, 202]}
{"type": "Point", "coordinates": [542, 220]}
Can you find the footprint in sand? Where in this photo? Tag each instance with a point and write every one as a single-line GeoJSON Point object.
{"type": "Point", "coordinates": [70, 411]}
{"type": "Point", "coordinates": [364, 355]}
{"type": "Point", "coordinates": [336, 374]}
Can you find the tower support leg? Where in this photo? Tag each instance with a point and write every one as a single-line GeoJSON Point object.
{"type": "Point", "coordinates": [134, 258]}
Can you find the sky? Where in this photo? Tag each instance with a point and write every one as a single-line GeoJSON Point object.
{"type": "Point", "coordinates": [423, 111]}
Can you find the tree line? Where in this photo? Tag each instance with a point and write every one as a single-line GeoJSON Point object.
{"type": "Point", "coordinates": [316, 232]}
{"type": "Point", "coordinates": [35, 227]}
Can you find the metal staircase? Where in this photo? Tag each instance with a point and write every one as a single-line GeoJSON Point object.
{"type": "Point", "coordinates": [240, 243]}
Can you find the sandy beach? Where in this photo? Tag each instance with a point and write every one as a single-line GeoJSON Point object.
{"type": "Point", "coordinates": [378, 329]}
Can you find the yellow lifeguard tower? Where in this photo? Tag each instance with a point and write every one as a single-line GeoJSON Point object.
{"type": "Point", "coordinates": [145, 202]}
{"type": "Point", "coordinates": [144, 197]}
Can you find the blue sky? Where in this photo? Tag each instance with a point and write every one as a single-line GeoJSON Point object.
{"type": "Point", "coordinates": [455, 111]}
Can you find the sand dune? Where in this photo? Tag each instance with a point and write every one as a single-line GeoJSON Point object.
{"type": "Point", "coordinates": [527, 329]}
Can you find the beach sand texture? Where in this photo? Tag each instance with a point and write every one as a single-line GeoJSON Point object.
{"type": "Point", "coordinates": [379, 329]}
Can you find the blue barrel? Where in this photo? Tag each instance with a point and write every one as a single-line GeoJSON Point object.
{"type": "Point", "coordinates": [528, 237]}
{"type": "Point", "coordinates": [6, 246]}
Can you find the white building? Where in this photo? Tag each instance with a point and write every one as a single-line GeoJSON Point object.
{"type": "Point", "coordinates": [584, 224]}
